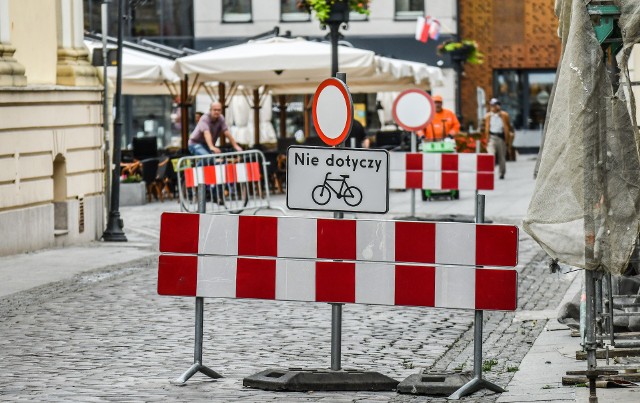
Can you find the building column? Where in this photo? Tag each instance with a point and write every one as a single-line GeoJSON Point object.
{"type": "Point", "coordinates": [11, 72]}
{"type": "Point", "coordinates": [73, 67]}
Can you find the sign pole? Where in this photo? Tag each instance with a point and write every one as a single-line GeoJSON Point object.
{"type": "Point", "coordinates": [414, 146]}
{"type": "Point", "coordinates": [413, 111]}
{"type": "Point", "coordinates": [477, 152]}
{"type": "Point", "coordinates": [336, 309]}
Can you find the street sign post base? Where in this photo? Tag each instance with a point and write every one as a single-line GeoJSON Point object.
{"type": "Point", "coordinates": [473, 386]}
{"type": "Point", "coordinates": [194, 369]}
{"type": "Point", "coordinates": [302, 380]}
{"type": "Point", "coordinates": [434, 383]}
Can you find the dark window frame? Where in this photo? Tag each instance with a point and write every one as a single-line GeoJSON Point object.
{"type": "Point", "coordinates": [352, 13]}
{"type": "Point", "coordinates": [293, 21]}
{"type": "Point", "coordinates": [523, 97]}
{"type": "Point", "coordinates": [409, 18]}
{"type": "Point", "coordinates": [250, 21]}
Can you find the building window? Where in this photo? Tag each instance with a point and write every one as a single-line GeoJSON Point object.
{"type": "Point", "coordinates": [353, 16]}
{"type": "Point", "coordinates": [524, 94]}
{"type": "Point", "coordinates": [236, 11]}
{"type": "Point", "coordinates": [166, 21]}
{"type": "Point", "coordinates": [290, 12]}
{"type": "Point", "coordinates": [409, 9]}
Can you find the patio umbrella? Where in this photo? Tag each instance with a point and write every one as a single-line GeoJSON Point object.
{"type": "Point", "coordinates": [275, 61]}
{"type": "Point", "coordinates": [143, 73]}
{"type": "Point", "coordinates": [389, 75]}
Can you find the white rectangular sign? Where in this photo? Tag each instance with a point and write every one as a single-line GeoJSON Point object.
{"type": "Point", "coordinates": [337, 179]}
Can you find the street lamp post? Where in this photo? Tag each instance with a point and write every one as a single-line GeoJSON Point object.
{"type": "Point", "coordinates": [105, 105]}
{"type": "Point", "coordinates": [114, 232]}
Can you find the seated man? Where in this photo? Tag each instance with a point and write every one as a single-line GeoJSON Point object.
{"type": "Point", "coordinates": [209, 128]}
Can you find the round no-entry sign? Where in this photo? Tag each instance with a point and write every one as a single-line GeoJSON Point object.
{"type": "Point", "coordinates": [413, 110]}
{"type": "Point", "coordinates": [332, 111]}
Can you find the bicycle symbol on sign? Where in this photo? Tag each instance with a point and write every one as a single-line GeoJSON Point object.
{"type": "Point", "coordinates": [321, 194]}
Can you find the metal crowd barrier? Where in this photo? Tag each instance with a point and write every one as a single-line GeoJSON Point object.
{"type": "Point", "coordinates": [233, 182]}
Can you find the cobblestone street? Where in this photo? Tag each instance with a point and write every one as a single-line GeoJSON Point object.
{"type": "Point", "coordinates": [107, 336]}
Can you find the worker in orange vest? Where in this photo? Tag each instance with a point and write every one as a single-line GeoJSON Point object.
{"type": "Point", "coordinates": [444, 123]}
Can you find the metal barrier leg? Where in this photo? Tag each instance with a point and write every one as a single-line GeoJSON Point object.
{"type": "Point", "coordinates": [477, 382]}
{"type": "Point", "coordinates": [197, 353]}
{"type": "Point", "coordinates": [336, 336]}
{"type": "Point", "coordinates": [199, 325]}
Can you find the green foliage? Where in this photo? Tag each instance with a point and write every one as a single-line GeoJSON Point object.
{"type": "Point", "coordinates": [512, 369]}
{"type": "Point", "coordinates": [323, 7]}
{"type": "Point", "coordinates": [488, 364]}
{"type": "Point", "coordinates": [135, 178]}
{"type": "Point", "coordinates": [474, 56]}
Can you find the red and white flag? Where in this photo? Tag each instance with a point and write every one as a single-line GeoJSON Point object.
{"type": "Point", "coordinates": [434, 29]}
{"type": "Point", "coordinates": [422, 30]}
{"type": "Point", "coordinates": [427, 27]}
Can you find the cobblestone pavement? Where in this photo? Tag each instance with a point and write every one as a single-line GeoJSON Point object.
{"type": "Point", "coordinates": [107, 336]}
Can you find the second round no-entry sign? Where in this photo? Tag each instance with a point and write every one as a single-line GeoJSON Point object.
{"type": "Point", "coordinates": [413, 110]}
{"type": "Point", "coordinates": [332, 111]}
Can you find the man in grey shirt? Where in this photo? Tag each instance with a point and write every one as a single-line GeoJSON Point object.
{"type": "Point", "coordinates": [209, 128]}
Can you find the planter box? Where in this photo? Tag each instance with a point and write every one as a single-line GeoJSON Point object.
{"type": "Point", "coordinates": [133, 194]}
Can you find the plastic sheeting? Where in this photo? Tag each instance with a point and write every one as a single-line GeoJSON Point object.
{"type": "Point", "coordinates": [585, 210]}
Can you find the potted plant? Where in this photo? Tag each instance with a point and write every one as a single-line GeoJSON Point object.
{"type": "Point", "coordinates": [337, 11]}
{"type": "Point", "coordinates": [132, 189]}
{"type": "Point", "coordinates": [465, 51]}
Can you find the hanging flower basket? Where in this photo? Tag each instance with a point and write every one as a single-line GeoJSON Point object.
{"type": "Point", "coordinates": [334, 11]}
{"type": "Point", "coordinates": [465, 51]}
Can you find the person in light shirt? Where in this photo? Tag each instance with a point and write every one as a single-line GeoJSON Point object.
{"type": "Point", "coordinates": [498, 125]}
{"type": "Point", "coordinates": [208, 129]}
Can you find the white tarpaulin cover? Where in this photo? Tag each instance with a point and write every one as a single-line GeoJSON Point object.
{"type": "Point", "coordinates": [585, 210]}
{"type": "Point", "coordinates": [142, 73]}
{"type": "Point", "coordinates": [275, 61]}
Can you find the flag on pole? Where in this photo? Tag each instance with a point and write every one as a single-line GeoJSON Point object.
{"type": "Point", "coordinates": [427, 27]}
{"type": "Point", "coordinates": [434, 29]}
{"type": "Point", "coordinates": [422, 30]}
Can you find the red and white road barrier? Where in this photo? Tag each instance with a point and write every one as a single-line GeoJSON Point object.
{"type": "Point", "coordinates": [222, 174]}
{"type": "Point", "coordinates": [441, 171]}
{"type": "Point", "coordinates": [342, 282]}
{"type": "Point", "coordinates": [355, 240]}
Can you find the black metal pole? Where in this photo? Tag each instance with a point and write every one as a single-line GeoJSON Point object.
{"type": "Point", "coordinates": [184, 114]}
{"type": "Point", "coordinates": [458, 65]}
{"type": "Point", "coordinates": [334, 34]}
{"type": "Point", "coordinates": [114, 232]}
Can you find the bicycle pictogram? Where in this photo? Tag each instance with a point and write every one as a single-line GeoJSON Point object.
{"type": "Point", "coordinates": [351, 195]}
